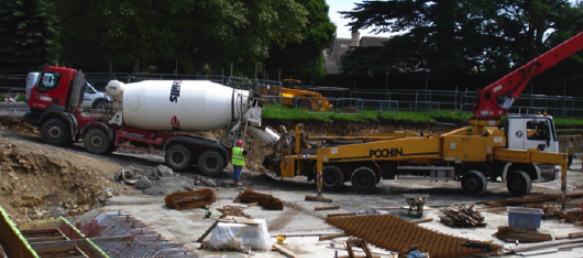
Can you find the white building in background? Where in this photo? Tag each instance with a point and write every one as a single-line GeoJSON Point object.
{"type": "Point", "coordinates": [333, 55]}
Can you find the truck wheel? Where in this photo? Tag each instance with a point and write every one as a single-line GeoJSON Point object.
{"type": "Point", "coordinates": [211, 163]}
{"type": "Point", "coordinates": [100, 104]}
{"type": "Point", "coordinates": [474, 183]}
{"type": "Point", "coordinates": [306, 105]}
{"type": "Point", "coordinates": [518, 183]}
{"type": "Point", "coordinates": [178, 157]}
{"type": "Point", "coordinates": [55, 132]}
{"type": "Point", "coordinates": [332, 178]}
{"type": "Point", "coordinates": [363, 180]}
{"type": "Point", "coordinates": [96, 141]}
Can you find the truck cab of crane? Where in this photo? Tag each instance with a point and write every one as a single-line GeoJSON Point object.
{"type": "Point", "coordinates": [532, 132]}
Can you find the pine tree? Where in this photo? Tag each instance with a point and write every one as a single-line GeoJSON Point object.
{"type": "Point", "coordinates": [27, 30]}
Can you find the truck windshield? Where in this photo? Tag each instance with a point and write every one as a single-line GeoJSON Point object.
{"type": "Point", "coordinates": [50, 80]}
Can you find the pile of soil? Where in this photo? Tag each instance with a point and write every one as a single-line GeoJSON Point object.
{"type": "Point", "coordinates": [42, 182]}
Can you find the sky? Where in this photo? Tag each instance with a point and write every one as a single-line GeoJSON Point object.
{"type": "Point", "coordinates": [343, 31]}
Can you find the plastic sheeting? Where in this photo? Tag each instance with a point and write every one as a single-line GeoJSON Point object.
{"type": "Point", "coordinates": [237, 236]}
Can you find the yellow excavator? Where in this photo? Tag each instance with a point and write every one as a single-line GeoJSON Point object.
{"type": "Point", "coordinates": [294, 94]}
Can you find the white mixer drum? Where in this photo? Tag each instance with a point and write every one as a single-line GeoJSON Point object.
{"type": "Point", "coordinates": [181, 105]}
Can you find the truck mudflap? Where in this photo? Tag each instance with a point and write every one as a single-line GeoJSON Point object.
{"type": "Point", "coordinates": [200, 141]}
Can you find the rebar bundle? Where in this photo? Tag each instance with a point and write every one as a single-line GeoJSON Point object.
{"type": "Point", "coordinates": [395, 234]}
{"type": "Point", "coordinates": [267, 201]}
{"type": "Point", "coordinates": [192, 199]}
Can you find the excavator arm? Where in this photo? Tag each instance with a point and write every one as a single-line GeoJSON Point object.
{"type": "Point", "coordinates": [512, 85]}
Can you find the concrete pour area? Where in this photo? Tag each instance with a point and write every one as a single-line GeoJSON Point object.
{"type": "Point", "coordinates": [186, 226]}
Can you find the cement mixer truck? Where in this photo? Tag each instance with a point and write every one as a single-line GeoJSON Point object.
{"type": "Point", "coordinates": [150, 116]}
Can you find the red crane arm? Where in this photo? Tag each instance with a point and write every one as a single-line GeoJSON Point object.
{"type": "Point", "coordinates": [514, 83]}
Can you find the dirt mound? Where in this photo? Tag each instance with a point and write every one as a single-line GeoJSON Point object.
{"type": "Point", "coordinates": [13, 122]}
{"type": "Point", "coordinates": [41, 182]}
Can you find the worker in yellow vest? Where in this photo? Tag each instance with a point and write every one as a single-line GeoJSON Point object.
{"type": "Point", "coordinates": [238, 161]}
{"type": "Point", "coordinates": [570, 152]}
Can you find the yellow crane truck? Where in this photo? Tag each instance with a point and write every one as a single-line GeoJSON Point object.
{"type": "Point", "coordinates": [517, 149]}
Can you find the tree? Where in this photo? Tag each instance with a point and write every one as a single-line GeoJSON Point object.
{"type": "Point", "coordinates": [156, 32]}
{"type": "Point", "coordinates": [27, 32]}
{"type": "Point", "coordinates": [461, 37]}
{"type": "Point", "coordinates": [304, 60]}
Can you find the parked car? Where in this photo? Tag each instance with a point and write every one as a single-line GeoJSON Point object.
{"type": "Point", "coordinates": [93, 98]}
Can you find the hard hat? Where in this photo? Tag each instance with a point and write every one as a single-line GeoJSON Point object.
{"type": "Point", "coordinates": [239, 143]}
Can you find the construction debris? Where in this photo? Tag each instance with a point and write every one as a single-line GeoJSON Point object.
{"type": "Point", "coordinates": [234, 211]}
{"type": "Point", "coordinates": [460, 216]}
{"type": "Point", "coordinates": [512, 234]}
{"type": "Point", "coordinates": [530, 199]}
{"type": "Point", "coordinates": [573, 235]}
{"type": "Point", "coordinates": [549, 211]}
{"type": "Point", "coordinates": [267, 201]}
{"type": "Point", "coordinates": [192, 199]}
{"type": "Point", "coordinates": [574, 216]}
{"type": "Point", "coordinates": [403, 235]}
{"type": "Point", "coordinates": [317, 199]}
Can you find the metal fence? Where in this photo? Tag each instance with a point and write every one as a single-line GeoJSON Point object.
{"type": "Point", "coordinates": [343, 98]}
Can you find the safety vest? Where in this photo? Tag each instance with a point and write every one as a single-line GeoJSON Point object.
{"type": "Point", "coordinates": [570, 149]}
{"type": "Point", "coordinates": [238, 159]}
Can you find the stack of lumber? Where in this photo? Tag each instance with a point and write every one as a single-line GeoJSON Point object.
{"type": "Point", "coordinates": [200, 198]}
{"type": "Point", "coordinates": [267, 201]}
{"type": "Point", "coordinates": [460, 216]}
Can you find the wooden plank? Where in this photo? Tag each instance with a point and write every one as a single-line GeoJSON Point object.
{"type": "Point", "coordinates": [326, 208]}
{"type": "Point", "coordinates": [329, 237]}
{"type": "Point", "coordinates": [208, 231]}
{"type": "Point", "coordinates": [341, 214]}
{"type": "Point", "coordinates": [284, 251]}
{"type": "Point", "coordinates": [418, 221]}
{"type": "Point", "coordinates": [45, 239]}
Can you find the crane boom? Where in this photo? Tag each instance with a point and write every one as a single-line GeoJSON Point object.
{"type": "Point", "coordinates": [512, 85]}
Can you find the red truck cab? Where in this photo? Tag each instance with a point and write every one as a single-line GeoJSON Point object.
{"type": "Point", "coordinates": [54, 104]}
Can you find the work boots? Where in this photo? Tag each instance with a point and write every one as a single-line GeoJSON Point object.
{"type": "Point", "coordinates": [237, 183]}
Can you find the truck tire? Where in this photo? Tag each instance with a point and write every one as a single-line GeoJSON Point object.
{"type": "Point", "coordinates": [100, 104]}
{"type": "Point", "coordinates": [178, 157]}
{"type": "Point", "coordinates": [474, 183]}
{"type": "Point", "coordinates": [306, 105]}
{"type": "Point", "coordinates": [518, 183]}
{"type": "Point", "coordinates": [97, 142]}
{"type": "Point", "coordinates": [55, 132]}
{"type": "Point", "coordinates": [332, 178]}
{"type": "Point", "coordinates": [363, 180]}
{"type": "Point", "coordinates": [211, 163]}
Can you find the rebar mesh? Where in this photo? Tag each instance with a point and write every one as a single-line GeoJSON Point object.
{"type": "Point", "coordinates": [395, 234]}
